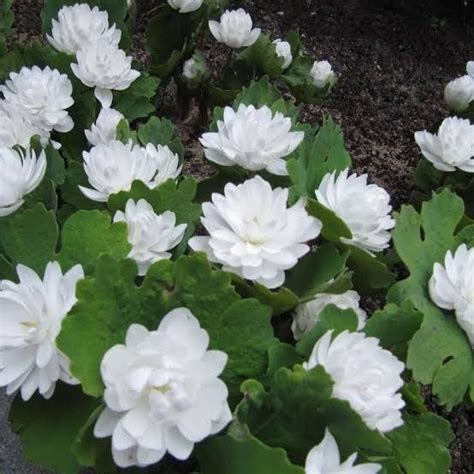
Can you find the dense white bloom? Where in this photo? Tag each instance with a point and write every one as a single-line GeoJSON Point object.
{"type": "Point", "coordinates": [283, 50]}
{"type": "Point", "coordinates": [166, 163]}
{"type": "Point", "coordinates": [114, 166]}
{"type": "Point", "coordinates": [470, 68]}
{"type": "Point", "coordinates": [322, 73]}
{"type": "Point", "coordinates": [31, 316]}
{"type": "Point", "coordinates": [364, 374]}
{"type": "Point", "coordinates": [308, 314]}
{"type": "Point", "coordinates": [104, 129]}
{"type": "Point", "coordinates": [162, 391]}
{"type": "Point", "coordinates": [16, 127]}
{"type": "Point", "coordinates": [185, 6]}
{"type": "Point", "coordinates": [106, 67]}
{"type": "Point", "coordinates": [235, 29]}
{"type": "Point", "coordinates": [325, 459]}
{"type": "Point", "coordinates": [452, 147]}
{"type": "Point", "coordinates": [252, 139]}
{"type": "Point", "coordinates": [459, 93]}
{"type": "Point", "coordinates": [452, 287]}
{"type": "Point", "coordinates": [364, 208]}
{"type": "Point", "coordinates": [151, 235]}
{"type": "Point", "coordinates": [44, 94]}
{"type": "Point", "coordinates": [253, 233]}
{"type": "Point", "coordinates": [20, 173]}
{"type": "Point", "coordinates": [79, 25]}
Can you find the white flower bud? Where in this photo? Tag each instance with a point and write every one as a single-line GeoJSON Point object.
{"type": "Point", "coordinates": [322, 74]}
{"type": "Point", "coordinates": [459, 93]}
{"type": "Point", "coordinates": [283, 50]}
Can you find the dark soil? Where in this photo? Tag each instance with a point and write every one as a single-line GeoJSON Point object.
{"type": "Point", "coordinates": [393, 62]}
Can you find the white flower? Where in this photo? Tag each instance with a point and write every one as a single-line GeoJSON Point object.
{"type": "Point", "coordinates": [31, 316]}
{"type": "Point", "coordinates": [451, 287]}
{"type": "Point", "coordinates": [364, 374]}
{"type": "Point", "coordinates": [106, 67]}
{"type": "Point", "coordinates": [325, 459]}
{"type": "Point", "coordinates": [235, 29]}
{"type": "Point", "coordinates": [452, 147]}
{"type": "Point", "coordinates": [16, 127]}
{"type": "Point", "coordinates": [364, 208]}
{"type": "Point", "coordinates": [44, 94]}
{"type": "Point", "coordinates": [185, 6]}
{"type": "Point", "coordinates": [252, 139]}
{"type": "Point", "coordinates": [104, 130]}
{"type": "Point", "coordinates": [114, 166]}
{"type": "Point", "coordinates": [151, 235]}
{"type": "Point", "coordinates": [79, 25]}
{"type": "Point", "coordinates": [308, 314]}
{"type": "Point", "coordinates": [20, 174]}
{"type": "Point", "coordinates": [162, 391]}
{"type": "Point", "coordinates": [283, 50]}
{"type": "Point", "coordinates": [322, 74]}
{"type": "Point", "coordinates": [253, 233]}
{"type": "Point", "coordinates": [459, 93]}
{"type": "Point", "coordinates": [470, 68]}
{"type": "Point", "coordinates": [190, 71]}
{"type": "Point", "coordinates": [166, 163]}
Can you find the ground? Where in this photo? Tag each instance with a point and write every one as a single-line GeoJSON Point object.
{"type": "Point", "coordinates": [393, 62]}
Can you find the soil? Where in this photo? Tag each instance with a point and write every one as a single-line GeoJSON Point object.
{"type": "Point", "coordinates": [393, 59]}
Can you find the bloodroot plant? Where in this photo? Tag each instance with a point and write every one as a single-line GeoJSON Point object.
{"type": "Point", "coordinates": [155, 322]}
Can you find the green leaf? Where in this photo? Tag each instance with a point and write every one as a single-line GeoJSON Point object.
{"type": "Point", "coordinates": [333, 227]}
{"type": "Point", "coordinates": [439, 353]}
{"type": "Point", "coordinates": [138, 100]}
{"type": "Point", "coordinates": [56, 168]}
{"type": "Point", "coordinates": [245, 335]}
{"type": "Point", "coordinates": [87, 235]}
{"type": "Point", "coordinates": [331, 318]}
{"type": "Point", "coordinates": [370, 273]}
{"type": "Point", "coordinates": [316, 156]}
{"type": "Point", "coordinates": [297, 408]}
{"type": "Point", "coordinates": [30, 237]}
{"type": "Point", "coordinates": [421, 444]}
{"type": "Point", "coordinates": [242, 453]}
{"type": "Point", "coordinates": [47, 428]}
{"type": "Point", "coordinates": [394, 325]}
{"type": "Point", "coordinates": [427, 177]}
{"type": "Point", "coordinates": [282, 355]}
{"type": "Point", "coordinates": [160, 131]}
{"type": "Point", "coordinates": [262, 56]}
{"type": "Point", "coordinates": [169, 196]}
{"type": "Point", "coordinates": [316, 270]}
{"type": "Point", "coordinates": [111, 301]}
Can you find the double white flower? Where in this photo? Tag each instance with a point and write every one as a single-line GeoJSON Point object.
{"type": "Point", "coordinates": [308, 314]}
{"type": "Point", "coordinates": [114, 166]}
{"type": "Point", "coordinates": [102, 65]}
{"type": "Point", "coordinates": [162, 391]}
{"type": "Point", "coordinates": [451, 287]}
{"type": "Point", "coordinates": [79, 25]}
{"type": "Point", "coordinates": [283, 50]}
{"type": "Point", "coordinates": [364, 374]}
{"type": "Point", "coordinates": [44, 95]}
{"type": "Point", "coordinates": [452, 148]}
{"type": "Point", "coordinates": [325, 459]}
{"type": "Point", "coordinates": [104, 130]}
{"type": "Point", "coordinates": [16, 127]}
{"type": "Point", "coordinates": [253, 139]}
{"type": "Point", "coordinates": [31, 316]}
{"type": "Point", "coordinates": [235, 29]}
{"type": "Point", "coordinates": [322, 74]}
{"type": "Point", "coordinates": [151, 235]}
{"type": "Point", "coordinates": [459, 93]}
{"type": "Point", "coordinates": [20, 174]}
{"type": "Point", "coordinates": [253, 233]}
{"type": "Point", "coordinates": [185, 6]}
{"type": "Point", "coordinates": [364, 208]}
